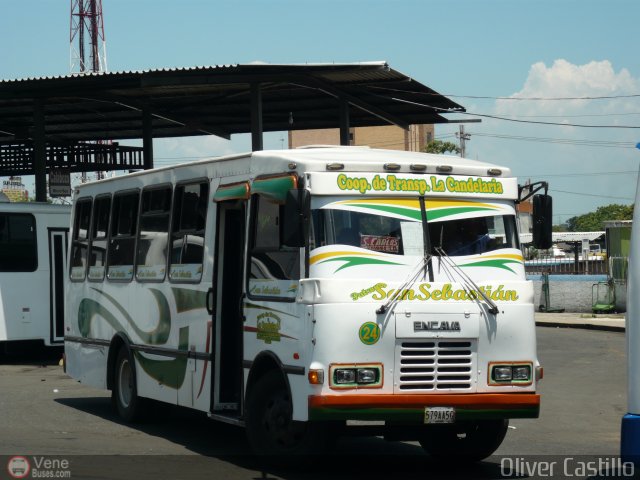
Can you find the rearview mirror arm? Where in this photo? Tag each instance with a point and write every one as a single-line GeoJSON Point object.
{"type": "Point", "coordinates": [532, 188]}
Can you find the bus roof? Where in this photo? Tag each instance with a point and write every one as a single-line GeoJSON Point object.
{"type": "Point", "coordinates": [34, 207]}
{"type": "Point", "coordinates": [316, 159]}
{"type": "Point", "coordinates": [365, 159]}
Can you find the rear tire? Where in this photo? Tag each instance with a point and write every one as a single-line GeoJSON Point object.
{"type": "Point", "coordinates": [469, 441]}
{"type": "Point", "coordinates": [271, 429]}
{"type": "Point", "coordinates": [124, 395]}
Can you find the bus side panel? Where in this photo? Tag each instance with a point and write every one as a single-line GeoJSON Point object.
{"type": "Point", "coordinates": [24, 305]}
{"type": "Point", "coordinates": [281, 328]}
{"type": "Point", "coordinates": [87, 364]}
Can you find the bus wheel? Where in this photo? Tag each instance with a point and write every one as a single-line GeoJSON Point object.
{"type": "Point", "coordinates": [471, 442]}
{"type": "Point", "coordinates": [270, 427]}
{"type": "Point", "coordinates": [124, 395]}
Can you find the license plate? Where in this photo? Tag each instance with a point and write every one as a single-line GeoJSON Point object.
{"type": "Point", "coordinates": [439, 415]}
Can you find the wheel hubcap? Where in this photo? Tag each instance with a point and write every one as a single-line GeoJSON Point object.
{"type": "Point", "coordinates": [125, 383]}
{"type": "Point", "coordinates": [278, 424]}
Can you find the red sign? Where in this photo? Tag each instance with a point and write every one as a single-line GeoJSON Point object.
{"type": "Point", "coordinates": [379, 243]}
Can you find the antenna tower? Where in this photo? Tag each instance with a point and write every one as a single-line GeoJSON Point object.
{"type": "Point", "coordinates": [88, 46]}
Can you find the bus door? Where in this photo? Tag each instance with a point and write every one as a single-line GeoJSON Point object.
{"type": "Point", "coordinates": [228, 316]}
{"type": "Point", "coordinates": [57, 262]}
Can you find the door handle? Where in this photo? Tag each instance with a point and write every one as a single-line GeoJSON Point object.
{"type": "Point", "coordinates": [241, 309]}
{"type": "Point", "coordinates": [209, 301]}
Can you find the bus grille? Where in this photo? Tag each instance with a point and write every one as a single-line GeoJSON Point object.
{"type": "Point", "coordinates": [434, 365]}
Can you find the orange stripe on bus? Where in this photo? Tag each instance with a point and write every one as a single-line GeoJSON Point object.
{"type": "Point", "coordinates": [480, 400]}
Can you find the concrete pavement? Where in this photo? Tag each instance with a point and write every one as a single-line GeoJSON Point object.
{"type": "Point", "coordinates": [613, 322]}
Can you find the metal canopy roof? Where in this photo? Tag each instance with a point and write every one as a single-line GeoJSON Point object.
{"type": "Point", "coordinates": [214, 100]}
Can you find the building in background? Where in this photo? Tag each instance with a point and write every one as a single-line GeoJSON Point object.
{"type": "Point", "coordinates": [389, 137]}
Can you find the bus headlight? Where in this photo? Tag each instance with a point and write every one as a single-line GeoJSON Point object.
{"type": "Point", "coordinates": [502, 374]}
{"type": "Point", "coordinates": [344, 375]}
{"type": "Point", "coordinates": [510, 373]}
{"type": "Point", "coordinates": [355, 375]}
{"type": "Point", "coordinates": [367, 375]}
{"type": "Point", "coordinates": [521, 373]}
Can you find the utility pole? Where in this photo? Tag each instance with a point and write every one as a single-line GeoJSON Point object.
{"type": "Point", "coordinates": [463, 137]}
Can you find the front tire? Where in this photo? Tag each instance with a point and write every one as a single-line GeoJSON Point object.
{"type": "Point", "coordinates": [270, 427]}
{"type": "Point", "coordinates": [469, 441]}
{"type": "Point", "coordinates": [124, 395]}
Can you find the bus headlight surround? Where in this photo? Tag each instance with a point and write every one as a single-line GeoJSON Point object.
{"type": "Point", "coordinates": [355, 375]}
{"type": "Point", "coordinates": [510, 373]}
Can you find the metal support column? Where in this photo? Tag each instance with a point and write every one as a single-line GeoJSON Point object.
{"type": "Point", "coordinates": [344, 123]}
{"type": "Point", "coordinates": [147, 138]}
{"type": "Point", "coordinates": [256, 117]}
{"type": "Point", "coordinates": [39, 151]}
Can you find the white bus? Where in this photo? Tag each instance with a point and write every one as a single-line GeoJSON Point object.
{"type": "Point", "coordinates": [33, 251]}
{"type": "Point", "coordinates": [294, 292]}
{"type": "Point", "coordinates": [630, 432]}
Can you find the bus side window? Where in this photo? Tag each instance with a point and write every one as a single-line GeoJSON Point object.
{"type": "Point", "coordinates": [80, 242]}
{"type": "Point", "coordinates": [269, 258]}
{"type": "Point", "coordinates": [121, 247]}
{"type": "Point", "coordinates": [18, 251]}
{"type": "Point", "coordinates": [99, 234]}
{"type": "Point", "coordinates": [151, 258]}
{"type": "Point", "coordinates": [187, 232]}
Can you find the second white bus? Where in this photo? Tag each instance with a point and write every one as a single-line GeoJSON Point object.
{"type": "Point", "coordinates": [33, 258]}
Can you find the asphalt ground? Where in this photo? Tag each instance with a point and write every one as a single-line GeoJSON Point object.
{"type": "Point", "coordinates": [45, 414]}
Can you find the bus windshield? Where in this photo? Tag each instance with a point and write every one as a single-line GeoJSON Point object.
{"type": "Point", "coordinates": [401, 231]}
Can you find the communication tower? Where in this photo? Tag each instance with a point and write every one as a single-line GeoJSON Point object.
{"type": "Point", "coordinates": [88, 45]}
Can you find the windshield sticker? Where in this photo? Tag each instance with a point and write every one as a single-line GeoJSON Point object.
{"type": "Point", "coordinates": [496, 261]}
{"type": "Point", "coordinates": [380, 243]}
{"type": "Point", "coordinates": [435, 184]}
{"type": "Point", "coordinates": [426, 292]}
{"type": "Point", "coordinates": [410, 208]}
{"type": "Point", "coordinates": [350, 259]}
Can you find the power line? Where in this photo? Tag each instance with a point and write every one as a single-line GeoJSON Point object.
{"type": "Point", "coordinates": [486, 97]}
{"type": "Point", "coordinates": [566, 141]}
{"type": "Point", "coordinates": [578, 115]}
{"type": "Point", "coordinates": [496, 117]}
{"type": "Point", "coordinates": [538, 122]}
{"type": "Point", "coordinates": [590, 174]}
{"type": "Point", "coordinates": [591, 195]}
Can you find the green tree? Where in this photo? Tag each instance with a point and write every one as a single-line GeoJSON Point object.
{"type": "Point", "coordinates": [594, 221]}
{"type": "Point", "coordinates": [438, 146]}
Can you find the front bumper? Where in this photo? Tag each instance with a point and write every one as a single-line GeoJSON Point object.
{"type": "Point", "coordinates": [411, 408]}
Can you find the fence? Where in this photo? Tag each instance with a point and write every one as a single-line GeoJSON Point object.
{"type": "Point", "coordinates": [566, 265]}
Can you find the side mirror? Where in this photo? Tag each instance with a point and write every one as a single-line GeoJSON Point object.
{"type": "Point", "coordinates": [542, 220]}
{"type": "Point", "coordinates": [295, 227]}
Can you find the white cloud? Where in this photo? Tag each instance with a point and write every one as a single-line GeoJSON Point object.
{"type": "Point", "coordinates": [554, 161]}
{"type": "Point", "coordinates": [566, 80]}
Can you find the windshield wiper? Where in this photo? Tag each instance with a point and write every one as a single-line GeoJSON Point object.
{"type": "Point", "coordinates": [421, 266]}
{"type": "Point", "coordinates": [467, 280]}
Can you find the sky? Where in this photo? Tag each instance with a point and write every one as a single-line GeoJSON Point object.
{"type": "Point", "coordinates": [532, 63]}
